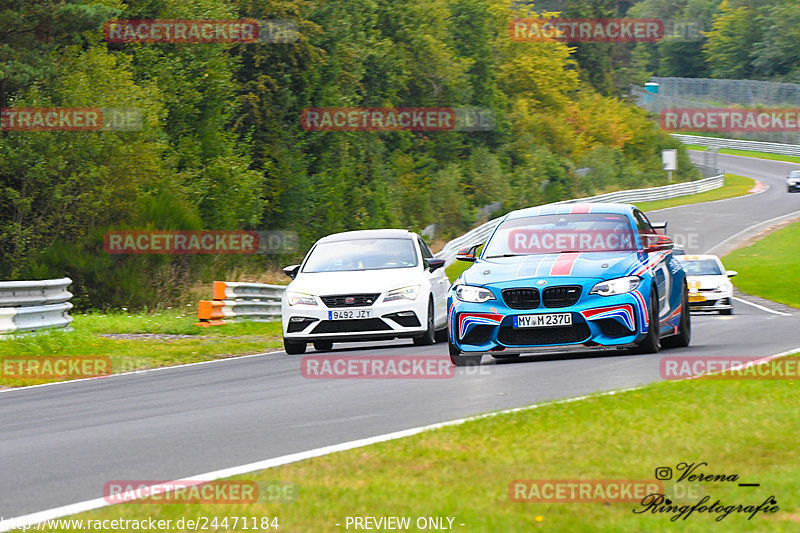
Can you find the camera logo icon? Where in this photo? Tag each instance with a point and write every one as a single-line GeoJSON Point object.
{"type": "Point", "coordinates": [663, 473]}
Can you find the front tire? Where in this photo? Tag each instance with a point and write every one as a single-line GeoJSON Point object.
{"type": "Point", "coordinates": [651, 343]}
{"type": "Point", "coordinates": [684, 336]}
{"type": "Point", "coordinates": [429, 337]}
{"type": "Point", "coordinates": [294, 347]}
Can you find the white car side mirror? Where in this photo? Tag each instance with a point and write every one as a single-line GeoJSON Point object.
{"type": "Point", "coordinates": [730, 273]}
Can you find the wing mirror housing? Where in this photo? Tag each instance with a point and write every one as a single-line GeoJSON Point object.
{"type": "Point", "coordinates": [656, 243]}
{"type": "Point", "coordinates": [434, 264]}
{"type": "Point", "coordinates": [469, 253]}
{"type": "Point", "coordinates": [730, 273]}
{"type": "Point", "coordinates": [291, 270]}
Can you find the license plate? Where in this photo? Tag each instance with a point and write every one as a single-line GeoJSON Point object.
{"type": "Point", "coordinates": [697, 298]}
{"type": "Point", "coordinates": [542, 320]}
{"type": "Point", "coordinates": [349, 314]}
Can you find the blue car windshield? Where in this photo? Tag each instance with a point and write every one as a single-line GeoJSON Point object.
{"type": "Point", "coordinates": [586, 232]}
{"type": "Point", "coordinates": [361, 254]}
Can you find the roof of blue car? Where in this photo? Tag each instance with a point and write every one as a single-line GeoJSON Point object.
{"type": "Point", "coordinates": [565, 209]}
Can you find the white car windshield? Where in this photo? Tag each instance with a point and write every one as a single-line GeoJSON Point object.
{"type": "Point", "coordinates": [595, 232]}
{"type": "Point", "coordinates": [701, 267]}
{"type": "Point", "coordinates": [794, 174]}
{"type": "Point", "coordinates": [361, 254]}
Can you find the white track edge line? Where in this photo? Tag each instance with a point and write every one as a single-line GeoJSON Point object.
{"type": "Point", "coordinates": [757, 306]}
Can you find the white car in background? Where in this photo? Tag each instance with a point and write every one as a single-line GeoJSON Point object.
{"type": "Point", "coordinates": [364, 286]}
{"type": "Point", "coordinates": [709, 284]}
{"type": "Point", "coordinates": [793, 181]}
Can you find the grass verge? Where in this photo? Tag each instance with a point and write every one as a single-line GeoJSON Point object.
{"type": "Point", "coordinates": [179, 341]}
{"type": "Point", "coordinates": [750, 153]}
{"type": "Point", "coordinates": [746, 428]}
{"type": "Point", "coordinates": [734, 186]}
{"type": "Point", "coordinates": [769, 267]}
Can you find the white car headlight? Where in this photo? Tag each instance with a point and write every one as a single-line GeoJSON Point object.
{"type": "Point", "coordinates": [616, 286]}
{"type": "Point", "coordinates": [725, 287]}
{"type": "Point", "coordinates": [470, 293]}
{"type": "Point", "coordinates": [299, 298]}
{"type": "Point", "coordinates": [403, 293]}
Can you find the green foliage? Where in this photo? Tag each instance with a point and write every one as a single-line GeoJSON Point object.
{"type": "Point", "coordinates": [222, 147]}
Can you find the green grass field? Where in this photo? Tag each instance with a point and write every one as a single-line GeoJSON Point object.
{"type": "Point", "coordinates": [747, 428]}
{"type": "Point", "coordinates": [734, 186]}
{"type": "Point", "coordinates": [770, 267]}
{"type": "Point", "coordinates": [127, 354]}
{"type": "Point", "coordinates": [750, 153]}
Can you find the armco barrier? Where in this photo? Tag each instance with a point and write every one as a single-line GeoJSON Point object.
{"type": "Point", "coordinates": [482, 232]}
{"type": "Point", "coordinates": [737, 144]}
{"type": "Point", "coordinates": [258, 301]}
{"type": "Point", "coordinates": [234, 301]}
{"type": "Point", "coordinates": [34, 305]}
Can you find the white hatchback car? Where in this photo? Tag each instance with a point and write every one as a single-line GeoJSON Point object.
{"type": "Point", "coordinates": [709, 284]}
{"type": "Point", "coordinates": [363, 286]}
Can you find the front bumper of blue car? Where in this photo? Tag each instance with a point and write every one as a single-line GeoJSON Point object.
{"type": "Point", "coordinates": [596, 322]}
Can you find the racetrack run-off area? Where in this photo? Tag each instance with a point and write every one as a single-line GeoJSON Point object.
{"type": "Point", "coordinates": [178, 422]}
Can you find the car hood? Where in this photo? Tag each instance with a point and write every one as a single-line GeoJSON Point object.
{"type": "Point", "coordinates": [705, 282]}
{"type": "Point", "coordinates": [596, 265]}
{"type": "Point", "coordinates": [355, 281]}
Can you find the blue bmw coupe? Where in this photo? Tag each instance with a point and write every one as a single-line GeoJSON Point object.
{"type": "Point", "coordinates": [571, 275]}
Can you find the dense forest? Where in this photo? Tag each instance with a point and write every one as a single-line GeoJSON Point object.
{"type": "Point", "coordinates": [728, 39]}
{"type": "Point", "coordinates": [221, 146]}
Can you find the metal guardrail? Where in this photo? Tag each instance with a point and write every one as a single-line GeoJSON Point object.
{"type": "Point", "coordinates": [34, 305]}
{"type": "Point", "coordinates": [736, 144]}
{"type": "Point", "coordinates": [482, 232]}
{"type": "Point", "coordinates": [234, 300]}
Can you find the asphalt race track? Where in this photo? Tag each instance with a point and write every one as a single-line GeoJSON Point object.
{"type": "Point", "coordinates": [60, 444]}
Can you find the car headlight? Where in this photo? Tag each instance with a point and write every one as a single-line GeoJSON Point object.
{"type": "Point", "coordinates": [403, 293]}
{"type": "Point", "coordinates": [725, 287]}
{"type": "Point", "coordinates": [616, 286]}
{"type": "Point", "coordinates": [470, 293]}
{"type": "Point", "coordinates": [299, 298]}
